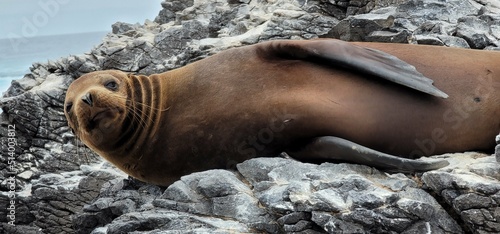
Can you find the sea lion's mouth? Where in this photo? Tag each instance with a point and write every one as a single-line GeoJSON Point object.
{"type": "Point", "coordinates": [96, 119]}
{"type": "Point", "coordinates": [100, 115]}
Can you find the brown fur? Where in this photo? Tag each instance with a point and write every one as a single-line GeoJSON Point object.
{"type": "Point", "coordinates": [248, 102]}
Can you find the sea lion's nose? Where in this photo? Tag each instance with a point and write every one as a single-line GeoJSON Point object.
{"type": "Point", "coordinates": [87, 98]}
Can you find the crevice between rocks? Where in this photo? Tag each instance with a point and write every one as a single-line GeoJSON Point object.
{"type": "Point", "coordinates": [449, 209]}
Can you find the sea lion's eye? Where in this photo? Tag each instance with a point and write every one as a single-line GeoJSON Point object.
{"type": "Point", "coordinates": [111, 85]}
{"type": "Point", "coordinates": [68, 107]}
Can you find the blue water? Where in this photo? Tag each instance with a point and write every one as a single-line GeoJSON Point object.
{"type": "Point", "coordinates": [17, 55]}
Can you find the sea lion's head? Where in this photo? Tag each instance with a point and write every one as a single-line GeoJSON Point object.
{"type": "Point", "coordinates": [96, 108]}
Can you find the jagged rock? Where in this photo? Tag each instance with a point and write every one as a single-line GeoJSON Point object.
{"type": "Point", "coordinates": [342, 195]}
{"type": "Point", "coordinates": [475, 31]}
{"type": "Point", "coordinates": [497, 148]}
{"type": "Point", "coordinates": [122, 28]}
{"type": "Point", "coordinates": [56, 191]}
{"type": "Point", "coordinates": [286, 195]}
{"type": "Point", "coordinates": [497, 152]}
{"type": "Point", "coordinates": [429, 21]}
{"type": "Point", "coordinates": [429, 40]}
{"type": "Point", "coordinates": [156, 221]}
{"type": "Point", "coordinates": [471, 185]}
{"type": "Point", "coordinates": [452, 41]}
{"type": "Point", "coordinates": [168, 13]}
{"type": "Point", "coordinates": [359, 27]}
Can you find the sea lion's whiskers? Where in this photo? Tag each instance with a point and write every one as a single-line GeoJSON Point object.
{"type": "Point", "coordinates": [79, 145]}
{"type": "Point", "coordinates": [144, 104]}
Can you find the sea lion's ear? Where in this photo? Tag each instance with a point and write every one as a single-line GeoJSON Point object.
{"type": "Point", "coordinates": [340, 54]}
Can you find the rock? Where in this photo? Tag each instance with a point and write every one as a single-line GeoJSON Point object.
{"type": "Point", "coordinates": [168, 13]}
{"type": "Point", "coordinates": [154, 221]}
{"type": "Point", "coordinates": [310, 197]}
{"type": "Point", "coordinates": [471, 186]}
{"type": "Point", "coordinates": [359, 27]}
{"type": "Point", "coordinates": [452, 41]}
{"type": "Point", "coordinates": [497, 148]}
{"type": "Point", "coordinates": [475, 31]}
{"type": "Point", "coordinates": [122, 28]}
{"type": "Point", "coordinates": [428, 40]}
{"type": "Point", "coordinates": [422, 11]}
{"type": "Point", "coordinates": [342, 197]}
{"type": "Point", "coordinates": [25, 175]}
{"type": "Point", "coordinates": [497, 152]}
{"type": "Point", "coordinates": [389, 37]}
{"type": "Point", "coordinates": [62, 186]}
{"type": "Point", "coordinates": [424, 18]}
{"type": "Point", "coordinates": [207, 193]}
{"type": "Point", "coordinates": [294, 217]}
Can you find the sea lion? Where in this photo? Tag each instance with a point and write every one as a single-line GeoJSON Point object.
{"type": "Point", "coordinates": [315, 100]}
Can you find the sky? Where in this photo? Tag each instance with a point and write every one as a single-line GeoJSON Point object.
{"type": "Point", "coordinates": [30, 18]}
{"type": "Point", "coordinates": [21, 20]}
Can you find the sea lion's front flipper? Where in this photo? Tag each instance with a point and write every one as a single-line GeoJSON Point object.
{"type": "Point", "coordinates": [338, 53]}
{"type": "Point", "coordinates": [338, 149]}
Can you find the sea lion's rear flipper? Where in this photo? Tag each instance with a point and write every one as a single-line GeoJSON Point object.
{"type": "Point", "coordinates": [338, 149]}
{"type": "Point", "coordinates": [361, 59]}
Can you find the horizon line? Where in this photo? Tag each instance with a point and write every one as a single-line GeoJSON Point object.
{"type": "Point", "coordinates": [59, 34]}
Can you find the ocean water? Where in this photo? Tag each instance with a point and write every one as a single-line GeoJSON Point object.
{"type": "Point", "coordinates": [17, 55]}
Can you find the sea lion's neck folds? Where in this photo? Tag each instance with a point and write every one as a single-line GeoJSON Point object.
{"type": "Point", "coordinates": [144, 112]}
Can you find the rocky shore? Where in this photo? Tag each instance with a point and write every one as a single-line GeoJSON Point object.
{"type": "Point", "coordinates": [51, 183]}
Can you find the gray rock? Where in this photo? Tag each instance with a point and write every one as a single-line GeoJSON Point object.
{"type": "Point", "coordinates": [310, 197]}
{"type": "Point", "coordinates": [475, 31]}
{"type": "Point", "coordinates": [421, 11]}
{"type": "Point", "coordinates": [471, 186]}
{"type": "Point", "coordinates": [217, 193]}
{"type": "Point", "coordinates": [359, 27]}
{"type": "Point", "coordinates": [162, 221]}
{"type": "Point", "coordinates": [294, 218]}
{"type": "Point", "coordinates": [168, 13]}
{"type": "Point", "coordinates": [389, 37]}
{"type": "Point", "coordinates": [452, 41]}
{"type": "Point", "coordinates": [62, 186]}
{"type": "Point", "coordinates": [429, 40]}
{"type": "Point", "coordinates": [122, 28]}
{"type": "Point", "coordinates": [341, 196]}
{"type": "Point", "coordinates": [497, 153]}
{"type": "Point", "coordinates": [497, 148]}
